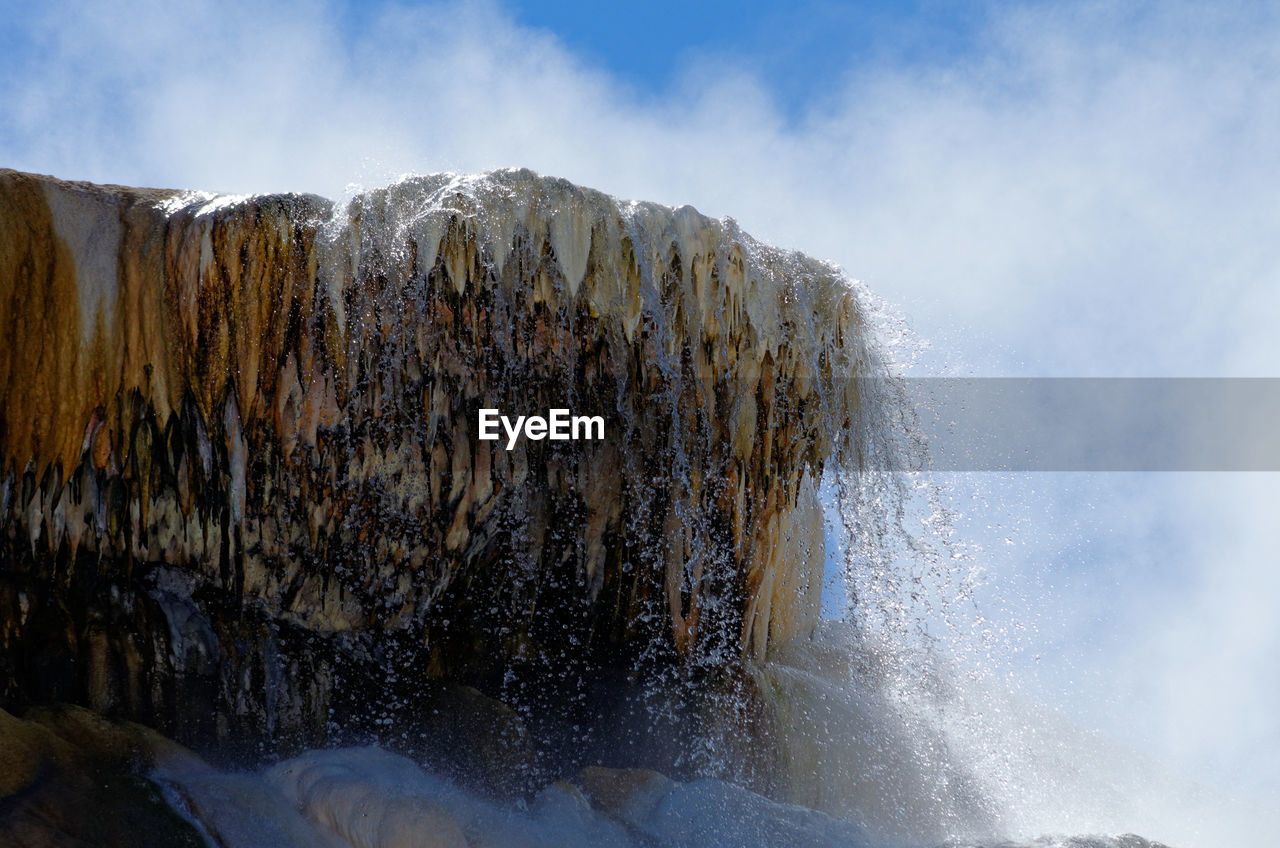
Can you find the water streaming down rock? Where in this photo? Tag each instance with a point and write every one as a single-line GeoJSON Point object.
{"type": "Point", "coordinates": [244, 498]}
{"type": "Point", "coordinates": [244, 501]}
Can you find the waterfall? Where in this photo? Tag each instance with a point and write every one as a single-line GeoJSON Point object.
{"type": "Point", "coordinates": [248, 501]}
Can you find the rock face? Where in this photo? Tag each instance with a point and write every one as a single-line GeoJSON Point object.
{"type": "Point", "coordinates": [242, 492]}
{"type": "Point", "coordinates": [67, 777]}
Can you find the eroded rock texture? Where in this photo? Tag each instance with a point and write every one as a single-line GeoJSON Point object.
{"type": "Point", "coordinates": [242, 492]}
{"type": "Point", "coordinates": [70, 778]}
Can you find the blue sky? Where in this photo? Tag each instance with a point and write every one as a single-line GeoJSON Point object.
{"type": "Point", "coordinates": [800, 49]}
{"type": "Point", "coordinates": [1036, 189]}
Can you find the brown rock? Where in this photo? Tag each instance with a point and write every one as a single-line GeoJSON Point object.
{"type": "Point", "coordinates": [239, 448]}
{"type": "Point", "coordinates": [81, 788]}
{"type": "Point", "coordinates": [628, 795]}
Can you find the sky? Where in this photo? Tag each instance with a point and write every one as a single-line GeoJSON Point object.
{"type": "Point", "coordinates": [1036, 189]}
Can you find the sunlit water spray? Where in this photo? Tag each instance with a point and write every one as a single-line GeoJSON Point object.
{"type": "Point", "coordinates": [678, 582]}
{"type": "Point", "coordinates": [890, 726]}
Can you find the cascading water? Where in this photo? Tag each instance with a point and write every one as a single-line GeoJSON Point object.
{"type": "Point", "coordinates": [246, 502]}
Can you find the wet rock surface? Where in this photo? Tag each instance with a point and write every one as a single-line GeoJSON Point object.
{"type": "Point", "coordinates": [243, 499]}
{"type": "Point", "coordinates": [69, 777]}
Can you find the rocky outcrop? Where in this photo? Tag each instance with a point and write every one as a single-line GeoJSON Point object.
{"type": "Point", "coordinates": [68, 777]}
{"type": "Point", "coordinates": [243, 496]}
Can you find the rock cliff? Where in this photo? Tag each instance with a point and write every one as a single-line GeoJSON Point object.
{"type": "Point", "coordinates": [243, 498]}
